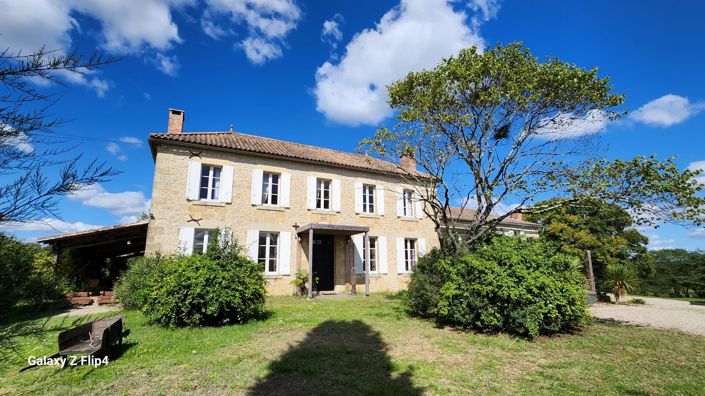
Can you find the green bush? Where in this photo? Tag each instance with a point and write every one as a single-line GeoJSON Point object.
{"type": "Point", "coordinates": [221, 287]}
{"type": "Point", "coordinates": [422, 294]}
{"type": "Point", "coordinates": [134, 285]}
{"type": "Point", "coordinates": [16, 260]}
{"type": "Point", "coordinates": [512, 285]}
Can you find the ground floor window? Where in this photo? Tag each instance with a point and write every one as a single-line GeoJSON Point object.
{"type": "Point", "coordinates": [409, 254]}
{"type": "Point", "coordinates": [373, 256]}
{"type": "Point", "coordinates": [201, 238]}
{"type": "Point", "coordinates": [268, 251]}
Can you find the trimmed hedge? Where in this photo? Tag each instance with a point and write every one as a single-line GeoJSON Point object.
{"type": "Point", "coordinates": [514, 285]}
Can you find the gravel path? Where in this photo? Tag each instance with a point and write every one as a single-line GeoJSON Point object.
{"type": "Point", "coordinates": [657, 312]}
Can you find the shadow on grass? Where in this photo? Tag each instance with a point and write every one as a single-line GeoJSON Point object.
{"type": "Point", "coordinates": [336, 358]}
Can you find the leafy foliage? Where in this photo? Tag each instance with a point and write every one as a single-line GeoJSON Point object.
{"type": "Point", "coordinates": [677, 273]}
{"type": "Point", "coordinates": [15, 268]}
{"type": "Point", "coordinates": [220, 287]}
{"type": "Point", "coordinates": [134, 285]}
{"type": "Point", "coordinates": [604, 229]}
{"type": "Point", "coordinates": [520, 286]}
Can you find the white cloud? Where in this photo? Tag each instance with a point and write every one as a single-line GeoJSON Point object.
{"type": "Point", "coordinates": [169, 65]}
{"type": "Point", "coordinates": [131, 140]}
{"type": "Point", "coordinates": [127, 204]}
{"type": "Point", "coordinates": [698, 165]}
{"type": "Point", "coordinates": [568, 126]}
{"type": "Point", "coordinates": [54, 225]}
{"type": "Point", "coordinates": [21, 142]}
{"type": "Point", "coordinates": [666, 111]}
{"type": "Point", "coordinates": [658, 243]}
{"type": "Point", "coordinates": [112, 148]}
{"type": "Point", "coordinates": [484, 10]}
{"type": "Point", "coordinates": [126, 27]}
{"type": "Point", "coordinates": [697, 234]}
{"type": "Point", "coordinates": [413, 36]}
{"type": "Point", "coordinates": [331, 32]}
{"type": "Point", "coordinates": [268, 22]}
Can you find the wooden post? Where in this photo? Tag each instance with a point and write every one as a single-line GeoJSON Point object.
{"type": "Point", "coordinates": [591, 276]}
{"type": "Point", "coordinates": [366, 245]}
{"type": "Point", "coordinates": [353, 274]}
{"type": "Point", "coordinates": [310, 263]}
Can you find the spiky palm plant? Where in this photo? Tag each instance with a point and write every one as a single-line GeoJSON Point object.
{"type": "Point", "coordinates": [621, 279]}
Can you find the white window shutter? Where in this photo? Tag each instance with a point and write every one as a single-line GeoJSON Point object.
{"type": "Point", "coordinates": [311, 195]}
{"type": "Point", "coordinates": [285, 190]}
{"type": "Point", "coordinates": [358, 197]}
{"type": "Point", "coordinates": [252, 244]}
{"type": "Point", "coordinates": [358, 241]}
{"type": "Point", "coordinates": [400, 256]}
{"type": "Point", "coordinates": [225, 237]}
{"type": "Point", "coordinates": [256, 186]}
{"type": "Point", "coordinates": [382, 254]}
{"type": "Point", "coordinates": [186, 241]}
{"type": "Point", "coordinates": [422, 246]}
{"type": "Point", "coordinates": [193, 184]}
{"type": "Point", "coordinates": [418, 210]}
{"type": "Point", "coordinates": [226, 184]}
{"type": "Point", "coordinates": [379, 200]}
{"type": "Point", "coordinates": [400, 201]}
{"type": "Point", "coordinates": [285, 253]}
{"type": "Point", "coordinates": [335, 191]}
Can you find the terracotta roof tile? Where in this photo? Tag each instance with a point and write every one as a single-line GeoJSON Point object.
{"type": "Point", "coordinates": [467, 214]}
{"type": "Point", "coordinates": [297, 151]}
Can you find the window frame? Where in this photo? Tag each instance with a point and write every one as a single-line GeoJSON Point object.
{"type": "Point", "coordinates": [268, 246]}
{"type": "Point", "coordinates": [210, 188]}
{"type": "Point", "coordinates": [267, 184]}
{"type": "Point", "coordinates": [374, 256]}
{"type": "Point", "coordinates": [411, 255]}
{"type": "Point", "coordinates": [368, 198]}
{"type": "Point", "coordinates": [207, 235]}
{"type": "Point", "coordinates": [322, 186]}
{"type": "Point", "coordinates": [408, 204]}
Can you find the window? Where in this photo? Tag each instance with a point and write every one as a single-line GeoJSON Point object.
{"type": "Point", "coordinates": [210, 182]}
{"type": "Point", "coordinates": [368, 198]}
{"type": "Point", "coordinates": [270, 188]}
{"type": "Point", "coordinates": [201, 238]}
{"type": "Point", "coordinates": [268, 251]}
{"type": "Point", "coordinates": [373, 255]}
{"type": "Point", "coordinates": [408, 203]}
{"type": "Point", "coordinates": [323, 194]}
{"type": "Point", "coordinates": [409, 254]}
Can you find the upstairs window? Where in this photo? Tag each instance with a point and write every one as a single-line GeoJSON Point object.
{"type": "Point", "coordinates": [201, 238]}
{"type": "Point", "coordinates": [270, 188]}
{"type": "Point", "coordinates": [210, 182]}
{"type": "Point", "coordinates": [368, 198]}
{"type": "Point", "coordinates": [373, 255]}
{"type": "Point", "coordinates": [268, 251]}
{"type": "Point", "coordinates": [408, 203]}
{"type": "Point", "coordinates": [409, 254]}
{"type": "Point", "coordinates": [323, 194]}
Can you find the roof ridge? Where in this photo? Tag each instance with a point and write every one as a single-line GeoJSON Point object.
{"type": "Point", "coordinates": [362, 156]}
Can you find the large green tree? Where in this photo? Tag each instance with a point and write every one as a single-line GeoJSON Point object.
{"type": "Point", "coordinates": [606, 230]}
{"type": "Point", "coordinates": [677, 273]}
{"type": "Point", "coordinates": [503, 126]}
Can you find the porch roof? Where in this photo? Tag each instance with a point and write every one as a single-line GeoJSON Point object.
{"type": "Point", "coordinates": [333, 229]}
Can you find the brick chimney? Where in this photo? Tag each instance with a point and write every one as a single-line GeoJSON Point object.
{"type": "Point", "coordinates": [407, 162]}
{"type": "Point", "coordinates": [176, 121]}
{"type": "Point", "coordinates": [517, 216]}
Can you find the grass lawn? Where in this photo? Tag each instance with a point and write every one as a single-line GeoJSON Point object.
{"type": "Point", "coordinates": [369, 346]}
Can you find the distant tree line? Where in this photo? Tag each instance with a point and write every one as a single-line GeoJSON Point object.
{"type": "Point", "coordinates": [677, 273]}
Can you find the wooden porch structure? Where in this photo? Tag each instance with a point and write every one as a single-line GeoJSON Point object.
{"type": "Point", "coordinates": [333, 229]}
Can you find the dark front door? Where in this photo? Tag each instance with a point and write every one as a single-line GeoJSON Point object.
{"type": "Point", "coordinates": [323, 256]}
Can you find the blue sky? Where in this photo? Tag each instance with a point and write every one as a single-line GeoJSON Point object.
{"type": "Point", "coordinates": [311, 72]}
